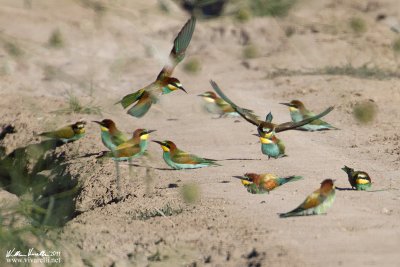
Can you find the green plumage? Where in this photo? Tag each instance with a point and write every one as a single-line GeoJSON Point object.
{"type": "Point", "coordinates": [130, 99]}
{"type": "Point", "coordinates": [358, 180]}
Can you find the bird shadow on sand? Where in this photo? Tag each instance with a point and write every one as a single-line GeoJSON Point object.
{"type": "Point", "coordinates": [345, 188]}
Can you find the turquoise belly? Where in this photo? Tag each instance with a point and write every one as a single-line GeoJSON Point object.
{"type": "Point", "coordinates": [271, 150]}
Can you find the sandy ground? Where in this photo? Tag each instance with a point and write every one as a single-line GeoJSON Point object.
{"type": "Point", "coordinates": [107, 56]}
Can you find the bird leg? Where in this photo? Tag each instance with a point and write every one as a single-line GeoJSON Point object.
{"type": "Point", "coordinates": [118, 179]}
{"type": "Point", "coordinates": [130, 167]}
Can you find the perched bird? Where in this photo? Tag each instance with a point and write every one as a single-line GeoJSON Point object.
{"type": "Point", "coordinates": [358, 179]}
{"type": "Point", "coordinates": [271, 145]}
{"type": "Point", "coordinates": [316, 203]}
{"type": "Point", "coordinates": [298, 112]}
{"type": "Point", "coordinates": [110, 135]}
{"type": "Point", "coordinates": [164, 84]}
{"type": "Point", "coordinates": [263, 183]}
{"type": "Point", "coordinates": [134, 147]}
{"type": "Point", "coordinates": [217, 105]}
{"type": "Point", "coordinates": [178, 159]}
{"type": "Point", "coordinates": [67, 133]}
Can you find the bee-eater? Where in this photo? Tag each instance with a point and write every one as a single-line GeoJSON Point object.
{"type": "Point", "coordinates": [316, 203]}
{"type": "Point", "coordinates": [178, 159]}
{"type": "Point", "coordinates": [110, 135]}
{"type": "Point", "coordinates": [299, 112]}
{"type": "Point", "coordinates": [263, 183]}
{"type": "Point", "coordinates": [358, 179]}
{"type": "Point", "coordinates": [67, 133]}
{"type": "Point", "coordinates": [164, 84]}
{"type": "Point", "coordinates": [134, 147]}
{"type": "Point", "coordinates": [217, 105]}
{"type": "Point", "coordinates": [271, 145]}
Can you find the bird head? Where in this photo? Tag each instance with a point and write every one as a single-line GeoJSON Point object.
{"type": "Point", "coordinates": [266, 131]}
{"type": "Point", "coordinates": [246, 179]}
{"type": "Point", "coordinates": [294, 105]}
{"type": "Point", "coordinates": [106, 125]}
{"type": "Point", "coordinates": [327, 185]}
{"type": "Point", "coordinates": [79, 127]}
{"type": "Point", "coordinates": [347, 169]}
{"type": "Point", "coordinates": [174, 84]}
{"type": "Point", "coordinates": [209, 96]}
{"type": "Point", "coordinates": [166, 146]}
{"type": "Point", "coordinates": [143, 134]}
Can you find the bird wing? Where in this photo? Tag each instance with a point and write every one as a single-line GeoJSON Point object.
{"type": "Point", "coordinates": [131, 98]}
{"type": "Point", "coordinates": [127, 149]}
{"type": "Point", "coordinates": [224, 106]}
{"type": "Point", "coordinates": [181, 43]}
{"type": "Point", "coordinates": [64, 132]}
{"type": "Point", "coordinates": [247, 114]}
{"type": "Point", "coordinates": [118, 138]}
{"type": "Point", "coordinates": [312, 201]}
{"type": "Point", "coordinates": [142, 106]}
{"type": "Point", "coordinates": [292, 125]}
{"type": "Point", "coordinates": [183, 157]}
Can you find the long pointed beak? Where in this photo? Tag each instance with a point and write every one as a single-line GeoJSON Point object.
{"type": "Point", "coordinates": [286, 104]}
{"type": "Point", "coordinates": [241, 178]}
{"type": "Point", "coordinates": [183, 89]}
{"type": "Point", "coordinates": [158, 142]}
{"type": "Point", "coordinates": [256, 135]}
{"type": "Point", "coordinates": [201, 95]}
{"type": "Point", "coordinates": [98, 122]}
{"type": "Point", "coordinates": [151, 131]}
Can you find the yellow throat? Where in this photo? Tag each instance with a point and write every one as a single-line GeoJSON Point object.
{"type": "Point", "coordinates": [164, 148]}
{"type": "Point", "coordinates": [144, 137]}
{"type": "Point", "coordinates": [208, 99]}
{"type": "Point", "coordinates": [245, 182]}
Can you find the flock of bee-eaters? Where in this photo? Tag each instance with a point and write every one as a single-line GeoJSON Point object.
{"type": "Point", "coordinates": [139, 103]}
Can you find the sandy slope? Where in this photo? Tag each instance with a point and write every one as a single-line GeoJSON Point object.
{"type": "Point", "coordinates": [104, 58]}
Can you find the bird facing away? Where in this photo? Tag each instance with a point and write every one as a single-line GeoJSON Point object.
{"type": "Point", "coordinates": [110, 135]}
{"type": "Point", "coordinates": [358, 180]}
{"type": "Point", "coordinates": [217, 105]}
{"type": "Point", "coordinates": [164, 83]}
{"type": "Point", "coordinates": [134, 147]}
{"type": "Point", "coordinates": [299, 112]}
{"type": "Point", "coordinates": [316, 203]}
{"type": "Point", "coordinates": [263, 183]}
{"type": "Point", "coordinates": [271, 145]}
{"type": "Point", "coordinates": [178, 159]}
{"type": "Point", "coordinates": [67, 133]}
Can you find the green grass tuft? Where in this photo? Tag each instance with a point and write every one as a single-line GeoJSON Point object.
{"type": "Point", "coordinates": [396, 46]}
{"type": "Point", "coordinates": [75, 106]}
{"type": "Point", "coordinates": [56, 39]}
{"type": "Point", "coordinates": [362, 72]}
{"type": "Point", "coordinates": [365, 112]}
{"type": "Point", "coordinates": [275, 8]}
{"type": "Point", "coordinates": [190, 193]}
{"type": "Point", "coordinates": [167, 211]}
{"type": "Point", "coordinates": [192, 66]}
{"type": "Point", "coordinates": [243, 14]}
{"type": "Point", "coordinates": [250, 51]}
{"type": "Point", "coordinates": [13, 49]}
{"type": "Point", "coordinates": [358, 25]}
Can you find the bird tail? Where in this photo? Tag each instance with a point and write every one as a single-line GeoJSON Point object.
{"type": "Point", "coordinates": [128, 100]}
{"type": "Point", "coordinates": [46, 134]}
{"type": "Point", "coordinates": [141, 107]}
{"type": "Point", "coordinates": [296, 212]}
{"type": "Point", "coordinates": [289, 179]}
